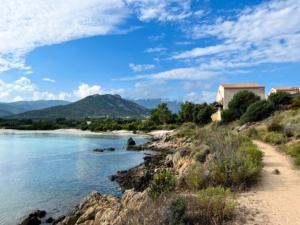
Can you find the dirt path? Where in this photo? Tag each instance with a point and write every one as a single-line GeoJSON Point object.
{"type": "Point", "coordinates": [275, 200]}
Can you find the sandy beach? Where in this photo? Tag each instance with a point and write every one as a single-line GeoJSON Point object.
{"type": "Point", "coordinates": [156, 133]}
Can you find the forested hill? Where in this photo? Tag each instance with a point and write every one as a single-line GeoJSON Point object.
{"type": "Point", "coordinates": [94, 106]}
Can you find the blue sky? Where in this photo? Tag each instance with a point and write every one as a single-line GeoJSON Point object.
{"type": "Point", "coordinates": [179, 49]}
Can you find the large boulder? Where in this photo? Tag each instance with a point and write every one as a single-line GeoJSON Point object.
{"type": "Point", "coordinates": [131, 142]}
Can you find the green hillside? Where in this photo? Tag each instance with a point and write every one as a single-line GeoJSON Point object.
{"type": "Point", "coordinates": [94, 106]}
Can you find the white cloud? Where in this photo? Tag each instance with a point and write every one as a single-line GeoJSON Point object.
{"type": "Point", "coordinates": [189, 73]}
{"type": "Point", "coordinates": [85, 90]}
{"type": "Point", "coordinates": [18, 98]}
{"type": "Point", "coordinates": [199, 97]}
{"type": "Point", "coordinates": [141, 67]}
{"type": "Point", "coordinates": [210, 50]}
{"type": "Point", "coordinates": [46, 79]}
{"type": "Point", "coordinates": [267, 33]}
{"type": "Point", "coordinates": [155, 50]}
{"type": "Point", "coordinates": [162, 10]}
{"type": "Point", "coordinates": [28, 24]}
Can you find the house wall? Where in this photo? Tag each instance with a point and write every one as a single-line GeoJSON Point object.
{"type": "Point", "coordinates": [229, 93]}
{"type": "Point", "coordinates": [274, 90]}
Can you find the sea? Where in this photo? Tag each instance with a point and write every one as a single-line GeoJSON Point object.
{"type": "Point", "coordinates": [55, 171]}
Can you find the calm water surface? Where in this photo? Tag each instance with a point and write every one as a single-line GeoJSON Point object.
{"type": "Point", "coordinates": [55, 171]}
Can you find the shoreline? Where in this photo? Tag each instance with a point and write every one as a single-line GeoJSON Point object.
{"type": "Point", "coordinates": [154, 133]}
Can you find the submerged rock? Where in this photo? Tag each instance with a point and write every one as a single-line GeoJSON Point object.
{"type": "Point", "coordinates": [104, 149]}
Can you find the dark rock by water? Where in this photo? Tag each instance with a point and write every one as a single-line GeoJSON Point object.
{"type": "Point", "coordinates": [131, 142]}
{"type": "Point", "coordinates": [104, 149]}
{"type": "Point", "coordinates": [34, 218]}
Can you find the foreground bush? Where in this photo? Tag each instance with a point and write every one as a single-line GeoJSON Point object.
{"type": "Point", "coordinates": [195, 177]}
{"type": "Point", "coordinates": [258, 111]}
{"type": "Point", "coordinates": [296, 103]}
{"type": "Point", "coordinates": [216, 204]}
{"type": "Point", "coordinates": [275, 138]}
{"type": "Point", "coordinates": [294, 151]}
{"type": "Point", "coordinates": [236, 161]}
{"type": "Point", "coordinates": [178, 211]}
{"type": "Point", "coordinates": [163, 182]}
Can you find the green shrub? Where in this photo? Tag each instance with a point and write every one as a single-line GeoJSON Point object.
{"type": "Point", "coordinates": [296, 103]}
{"type": "Point", "coordinates": [280, 98]}
{"type": "Point", "coordinates": [274, 126]}
{"type": "Point", "coordinates": [178, 211]}
{"type": "Point", "coordinates": [258, 111]}
{"type": "Point", "coordinates": [163, 182]}
{"type": "Point", "coordinates": [195, 177]}
{"type": "Point", "coordinates": [216, 204]}
{"type": "Point", "coordinates": [201, 155]}
{"type": "Point", "coordinates": [294, 151]}
{"type": "Point", "coordinates": [275, 138]}
{"type": "Point", "coordinates": [236, 161]}
{"type": "Point", "coordinates": [238, 105]}
{"type": "Point", "coordinates": [252, 133]}
{"type": "Point", "coordinates": [228, 116]}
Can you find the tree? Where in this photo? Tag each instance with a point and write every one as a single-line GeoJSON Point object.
{"type": "Point", "coordinates": [161, 115]}
{"type": "Point", "coordinates": [202, 113]}
{"type": "Point", "coordinates": [238, 105]}
{"type": "Point", "coordinates": [280, 98]}
{"type": "Point", "coordinates": [186, 112]}
{"type": "Point", "coordinates": [258, 111]}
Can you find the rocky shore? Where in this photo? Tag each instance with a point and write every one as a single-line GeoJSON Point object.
{"type": "Point", "coordinates": [97, 209]}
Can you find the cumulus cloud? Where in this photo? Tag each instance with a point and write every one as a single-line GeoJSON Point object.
{"type": "Point", "coordinates": [85, 90]}
{"type": "Point", "coordinates": [141, 67]}
{"type": "Point", "coordinates": [28, 24]}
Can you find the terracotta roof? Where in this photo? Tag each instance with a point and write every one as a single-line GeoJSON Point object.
{"type": "Point", "coordinates": [287, 88]}
{"type": "Point", "coordinates": [241, 86]}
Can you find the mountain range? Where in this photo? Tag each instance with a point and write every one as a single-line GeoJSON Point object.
{"type": "Point", "coordinates": [94, 106]}
{"type": "Point", "coordinates": [8, 109]}
{"type": "Point", "coordinates": [173, 105]}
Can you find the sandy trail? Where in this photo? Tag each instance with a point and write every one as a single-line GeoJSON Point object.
{"type": "Point", "coordinates": [275, 200]}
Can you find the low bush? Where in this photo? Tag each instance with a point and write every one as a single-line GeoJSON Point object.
{"type": "Point", "coordinates": [257, 111]}
{"type": "Point", "coordinates": [236, 162]}
{"type": "Point", "coordinates": [296, 103]}
{"type": "Point", "coordinates": [163, 182]}
{"type": "Point", "coordinates": [275, 138]}
{"type": "Point", "coordinates": [194, 179]}
{"type": "Point", "coordinates": [252, 133]}
{"type": "Point", "coordinates": [294, 151]}
{"type": "Point", "coordinates": [201, 154]}
{"type": "Point", "coordinates": [280, 98]}
{"type": "Point", "coordinates": [178, 211]}
{"type": "Point", "coordinates": [274, 126]}
{"type": "Point", "coordinates": [216, 205]}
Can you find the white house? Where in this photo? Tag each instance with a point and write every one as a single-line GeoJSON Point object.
{"type": "Point", "coordinates": [227, 91]}
{"type": "Point", "coordinates": [291, 90]}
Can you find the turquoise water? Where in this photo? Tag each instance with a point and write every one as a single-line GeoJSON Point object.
{"type": "Point", "coordinates": [54, 172]}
